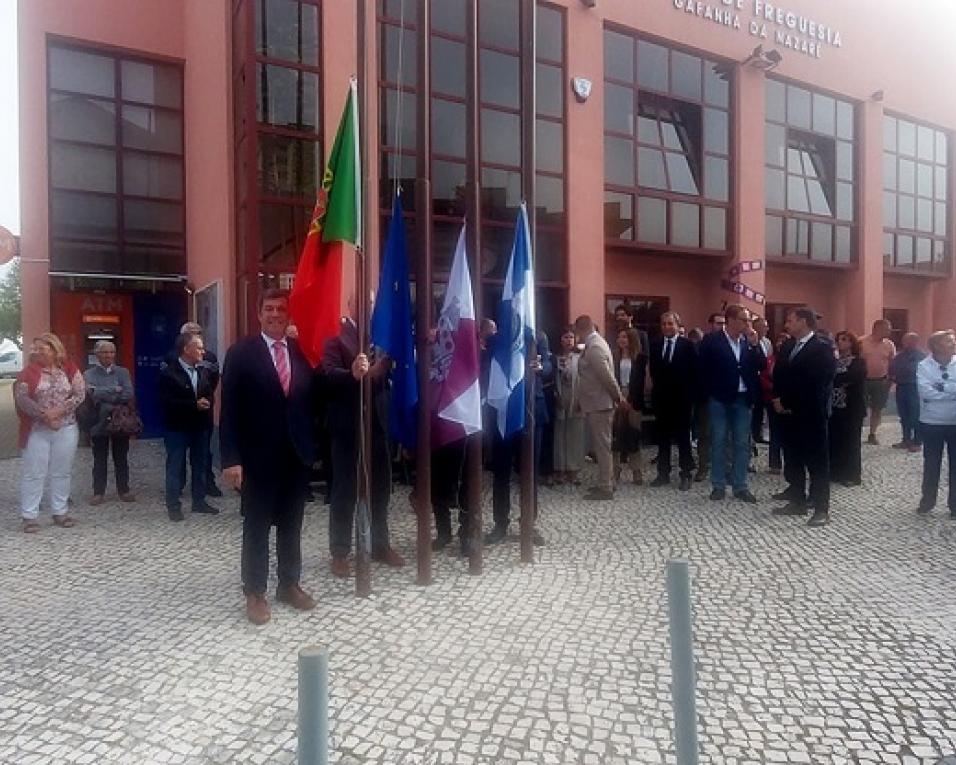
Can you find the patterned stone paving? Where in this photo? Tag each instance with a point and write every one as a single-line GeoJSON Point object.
{"type": "Point", "coordinates": [124, 640]}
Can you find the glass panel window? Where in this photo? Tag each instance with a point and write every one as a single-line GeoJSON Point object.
{"type": "Point", "coordinates": [618, 215]}
{"type": "Point", "coordinates": [500, 194]}
{"type": "Point", "coordinates": [716, 131]}
{"type": "Point", "coordinates": [500, 79]}
{"type": "Point", "coordinates": [775, 145]}
{"type": "Point", "coordinates": [288, 167]}
{"type": "Point", "coordinates": [399, 55]}
{"type": "Point", "coordinates": [686, 76]}
{"type": "Point", "coordinates": [824, 114]}
{"type": "Point", "coordinates": [549, 93]}
{"type": "Point", "coordinates": [651, 168]}
{"type": "Point", "coordinates": [82, 168]}
{"type": "Point", "coordinates": [153, 221]}
{"type": "Point", "coordinates": [498, 23]}
{"type": "Point", "coordinates": [652, 220]}
{"type": "Point", "coordinates": [776, 101]}
{"type": "Point", "coordinates": [652, 68]}
{"type": "Point", "coordinates": [716, 179]}
{"type": "Point", "coordinates": [773, 235]}
{"type": "Point", "coordinates": [619, 161]}
{"type": "Point", "coordinates": [289, 30]}
{"type": "Point", "coordinates": [798, 107]}
{"type": "Point", "coordinates": [619, 110]}
{"type": "Point", "coordinates": [550, 146]}
{"type": "Point", "coordinates": [448, 188]}
{"type": "Point", "coordinates": [150, 175]}
{"type": "Point", "coordinates": [550, 33]}
{"type": "Point", "coordinates": [448, 16]}
{"type": "Point", "coordinates": [78, 118]}
{"type": "Point", "coordinates": [500, 137]}
{"type": "Point", "coordinates": [715, 228]}
{"type": "Point", "coordinates": [716, 88]}
{"type": "Point", "coordinates": [399, 127]}
{"type": "Point", "coordinates": [152, 129]}
{"type": "Point", "coordinates": [618, 56]}
{"type": "Point", "coordinates": [448, 128]}
{"type": "Point", "coordinates": [287, 98]}
{"type": "Point", "coordinates": [154, 84]}
{"type": "Point", "coordinates": [685, 224]}
{"type": "Point", "coordinates": [448, 66]}
{"type": "Point", "coordinates": [821, 245]}
{"type": "Point", "coordinates": [82, 72]}
{"type": "Point", "coordinates": [76, 215]}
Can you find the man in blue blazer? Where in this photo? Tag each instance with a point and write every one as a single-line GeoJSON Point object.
{"type": "Point", "coordinates": [730, 364]}
{"type": "Point", "coordinates": [266, 440]}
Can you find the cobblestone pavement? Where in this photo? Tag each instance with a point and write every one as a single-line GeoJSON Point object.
{"type": "Point", "coordinates": [124, 639]}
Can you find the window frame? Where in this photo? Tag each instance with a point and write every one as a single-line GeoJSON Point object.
{"type": "Point", "coordinates": [935, 269]}
{"type": "Point", "coordinates": [121, 242]}
{"type": "Point", "coordinates": [669, 198]}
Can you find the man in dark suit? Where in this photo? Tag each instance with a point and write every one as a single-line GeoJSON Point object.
{"type": "Point", "coordinates": [185, 397]}
{"type": "Point", "coordinates": [343, 367]}
{"type": "Point", "coordinates": [211, 364]}
{"type": "Point", "coordinates": [266, 440]}
{"type": "Point", "coordinates": [802, 386]}
{"type": "Point", "coordinates": [730, 363]}
{"type": "Point", "coordinates": [672, 364]}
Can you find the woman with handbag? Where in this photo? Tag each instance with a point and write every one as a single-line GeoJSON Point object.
{"type": "Point", "coordinates": [46, 395]}
{"type": "Point", "coordinates": [110, 389]}
{"type": "Point", "coordinates": [630, 370]}
{"type": "Point", "coordinates": [568, 417]}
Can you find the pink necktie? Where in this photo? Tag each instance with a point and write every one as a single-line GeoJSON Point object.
{"type": "Point", "coordinates": [282, 366]}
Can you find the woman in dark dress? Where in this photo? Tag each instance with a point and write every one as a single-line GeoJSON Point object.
{"type": "Point", "coordinates": [630, 366]}
{"type": "Point", "coordinates": [848, 412]}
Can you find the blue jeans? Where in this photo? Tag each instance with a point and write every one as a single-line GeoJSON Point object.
{"type": "Point", "coordinates": [177, 444]}
{"type": "Point", "coordinates": [907, 405]}
{"type": "Point", "coordinates": [735, 416]}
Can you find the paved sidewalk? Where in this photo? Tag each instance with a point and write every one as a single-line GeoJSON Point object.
{"type": "Point", "coordinates": [124, 640]}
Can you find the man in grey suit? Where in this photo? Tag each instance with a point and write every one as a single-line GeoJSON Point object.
{"type": "Point", "coordinates": [598, 395]}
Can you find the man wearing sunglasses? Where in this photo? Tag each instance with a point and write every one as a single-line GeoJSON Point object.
{"type": "Point", "coordinates": [936, 382]}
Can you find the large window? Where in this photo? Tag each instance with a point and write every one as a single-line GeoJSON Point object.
{"type": "Point", "coordinates": [500, 120]}
{"type": "Point", "coordinates": [666, 147]}
{"type": "Point", "coordinates": [278, 123]}
{"type": "Point", "coordinates": [810, 175]}
{"type": "Point", "coordinates": [116, 164]}
{"type": "Point", "coordinates": [915, 194]}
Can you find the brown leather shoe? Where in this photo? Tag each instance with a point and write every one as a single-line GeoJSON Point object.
{"type": "Point", "coordinates": [96, 499]}
{"type": "Point", "coordinates": [257, 609]}
{"type": "Point", "coordinates": [389, 557]}
{"type": "Point", "coordinates": [340, 567]}
{"type": "Point", "coordinates": [296, 597]}
{"type": "Point", "coordinates": [127, 497]}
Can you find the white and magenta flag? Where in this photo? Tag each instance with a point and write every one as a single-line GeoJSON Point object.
{"type": "Point", "coordinates": [454, 370]}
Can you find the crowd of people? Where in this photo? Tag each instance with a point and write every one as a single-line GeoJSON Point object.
{"type": "Point", "coordinates": [714, 394]}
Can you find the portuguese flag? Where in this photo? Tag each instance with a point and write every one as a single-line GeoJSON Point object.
{"type": "Point", "coordinates": [315, 302]}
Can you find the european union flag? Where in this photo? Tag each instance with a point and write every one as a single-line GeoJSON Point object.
{"type": "Point", "coordinates": [392, 330]}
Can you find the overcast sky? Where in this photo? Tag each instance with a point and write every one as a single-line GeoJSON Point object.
{"type": "Point", "coordinates": [9, 178]}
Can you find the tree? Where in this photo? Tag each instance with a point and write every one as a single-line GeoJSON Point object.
{"type": "Point", "coordinates": [10, 303]}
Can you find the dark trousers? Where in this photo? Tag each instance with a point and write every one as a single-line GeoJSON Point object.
{"type": "Point", "coordinates": [210, 476]}
{"type": "Point", "coordinates": [504, 455]}
{"type": "Point", "coordinates": [344, 495]}
{"type": "Point", "coordinates": [756, 420]}
{"type": "Point", "coordinates": [845, 447]}
{"type": "Point", "coordinates": [934, 438]}
{"type": "Point", "coordinates": [776, 446]}
{"type": "Point", "coordinates": [673, 427]}
{"type": "Point", "coordinates": [907, 405]}
{"type": "Point", "coordinates": [806, 454]}
{"type": "Point", "coordinates": [448, 466]}
{"type": "Point", "coordinates": [275, 500]}
{"type": "Point", "coordinates": [101, 449]}
{"type": "Point", "coordinates": [178, 443]}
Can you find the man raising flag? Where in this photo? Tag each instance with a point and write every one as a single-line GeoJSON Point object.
{"type": "Point", "coordinates": [315, 302]}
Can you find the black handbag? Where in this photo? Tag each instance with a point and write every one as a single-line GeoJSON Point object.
{"type": "Point", "coordinates": [87, 414]}
{"type": "Point", "coordinates": [124, 420]}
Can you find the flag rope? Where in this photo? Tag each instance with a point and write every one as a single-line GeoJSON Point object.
{"type": "Point", "coordinates": [400, 99]}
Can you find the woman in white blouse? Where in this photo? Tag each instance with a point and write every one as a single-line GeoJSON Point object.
{"type": "Point", "coordinates": [936, 382]}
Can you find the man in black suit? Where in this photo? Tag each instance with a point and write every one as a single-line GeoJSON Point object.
{"type": "Point", "coordinates": [211, 364]}
{"type": "Point", "coordinates": [343, 368]}
{"type": "Point", "coordinates": [266, 440]}
{"type": "Point", "coordinates": [673, 363]}
{"type": "Point", "coordinates": [185, 397]}
{"type": "Point", "coordinates": [730, 363]}
{"type": "Point", "coordinates": [802, 386]}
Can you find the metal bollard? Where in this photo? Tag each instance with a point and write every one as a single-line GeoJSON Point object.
{"type": "Point", "coordinates": [684, 680]}
{"type": "Point", "coordinates": [313, 706]}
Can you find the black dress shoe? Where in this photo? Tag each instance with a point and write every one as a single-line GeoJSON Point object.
{"type": "Point", "coordinates": [496, 535]}
{"type": "Point", "coordinates": [819, 518]}
{"type": "Point", "coordinates": [746, 495]}
{"type": "Point", "coordinates": [213, 491]}
{"type": "Point", "coordinates": [924, 508]}
{"type": "Point", "coordinates": [465, 550]}
{"type": "Point", "coordinates": [661, 480]}
{"type": "Point", "coordinates": [440, 542]}
{"type": "Point", "coordinates": [598, 495]}
{"type": "Point", "coordinates": [701, 476]}
{"type": "Point", "coordinates": [718, 494]}
{"type": "Point", "coordinates": [176, 516]}
{"type": "Point", "coordinates": [787, 495]}
{"type": "Point", "coordinates": [205, 509]}
{"type": "Point", "coordinates": [536, 539]}
{"type": "Point", "coordinates": [791, 508]}
{"type": "Point", "coordinates": [685, 481]}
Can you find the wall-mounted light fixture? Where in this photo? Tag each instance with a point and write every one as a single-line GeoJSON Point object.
{"type": "Point", "coordinates": [581, 87]}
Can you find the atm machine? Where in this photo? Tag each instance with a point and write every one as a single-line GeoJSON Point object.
{"type": "Point", "coordinates": [98, 327]}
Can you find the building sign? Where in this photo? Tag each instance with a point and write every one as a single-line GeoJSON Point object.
{"type": "Point", "coordinates": [775, 24]}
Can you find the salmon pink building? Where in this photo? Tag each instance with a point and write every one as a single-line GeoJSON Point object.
{"type": "Point", "coordinates": [686, 153]}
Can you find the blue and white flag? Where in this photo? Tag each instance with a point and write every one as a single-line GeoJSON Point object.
{"type": "Point", "coordinates": [506, 383]}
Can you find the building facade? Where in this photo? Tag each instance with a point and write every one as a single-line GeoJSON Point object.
{"type": "Point", "coordinates": [171, 151]}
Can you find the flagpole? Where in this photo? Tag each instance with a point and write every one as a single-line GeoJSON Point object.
{"type": "Point", "coordinates": [528, 163]}
{"type": "Point", "coordinates": [424, 318]}
{"type": "Point", "coordinates": [363, 584]}
{"type": "Point", "coordinates": [474, 468]}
